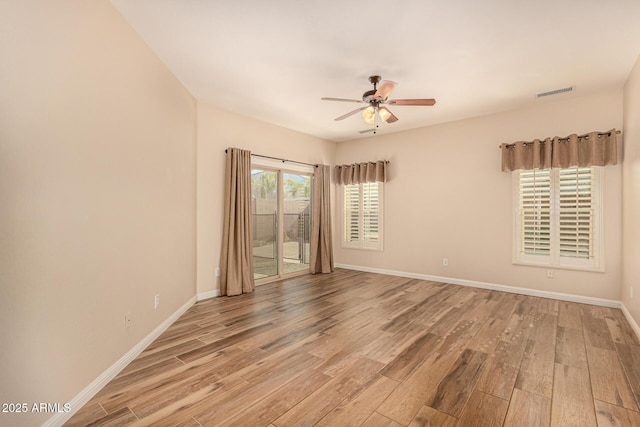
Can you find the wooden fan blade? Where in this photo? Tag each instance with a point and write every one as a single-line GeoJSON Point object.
{"type": "Point", "coordinates": [392, 117]}
{"type": "Point", "coordinates": [385, 89]}
{"type": "Point", "coordinates": [342, 100]}
{"type": "Point", "coordinates": [350, 113]}
{"type": "Point", "coordinates": [427, 102]}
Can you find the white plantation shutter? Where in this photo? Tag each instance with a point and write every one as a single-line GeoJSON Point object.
{"type": "Point", "coordinates": [535, 212]}
{"type": "Point", "coordinates": [576, 195]}
{"type": "Point", "coordinates": [363, 215]}
{"type": "Point", "coordinates": [351, 213]}
{"type": "Point", "coordinates": [371, 213]}
{"type": "Point", "coordinates": [557, 218]}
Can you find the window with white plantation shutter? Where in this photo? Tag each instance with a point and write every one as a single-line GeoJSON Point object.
{"type": "Point", "coordinates": [557, 218]}
{"type": "Point", "coordinates": [363, 215]}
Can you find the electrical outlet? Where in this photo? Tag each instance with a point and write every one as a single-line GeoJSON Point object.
{"type": "Point", "coordinates": [445, 262]}
{"type": "Point", "coordinates": [217, 271]}
{"type": "Point", "coordinates": [550, 274]}
{"type": "Point", "coordinates": [156, 301]}
{"type": "Point", "coordinates": [127, 320]}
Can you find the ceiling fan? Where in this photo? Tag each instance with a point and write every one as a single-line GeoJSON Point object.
{"type": "Point", "coordinates": [376, 99]}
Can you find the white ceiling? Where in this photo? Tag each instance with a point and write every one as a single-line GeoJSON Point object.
{"type": "Point", "coordinates": [274, 60]}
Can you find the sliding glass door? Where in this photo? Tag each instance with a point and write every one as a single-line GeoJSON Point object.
{"type": "Point", "coordinates": [264, 189]}
{"type": "Point", "coordinates": [297, 222]}
{"type": "Point", "coordinates": [281, 207]}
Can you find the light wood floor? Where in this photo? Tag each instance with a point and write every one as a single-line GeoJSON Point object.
{"type": "Point", "coordinates": [353, 348]}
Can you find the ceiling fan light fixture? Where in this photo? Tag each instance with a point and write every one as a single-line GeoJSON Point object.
{"type": "Point", "coordinates": [375, 112]}
{"type": "Point", "coordinates": [368, 114]}
{"type": "Point", "coordinates": [384, 113]}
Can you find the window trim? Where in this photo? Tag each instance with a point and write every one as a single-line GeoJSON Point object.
{"type": "Point", "coordinates": [360, 244]}
{"type": "Point", "coordinates": [554, 260]}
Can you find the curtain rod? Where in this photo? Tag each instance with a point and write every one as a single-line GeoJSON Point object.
{"type": "Point", "coordinates": [354, 164]}
{"type": "Point", "coordinates": [282, 160]}
{"type": "Point", "coordinates": [579, 136]}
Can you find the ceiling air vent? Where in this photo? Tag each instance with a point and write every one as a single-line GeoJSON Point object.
{"type": "Point", "coordinates": [555, 92]}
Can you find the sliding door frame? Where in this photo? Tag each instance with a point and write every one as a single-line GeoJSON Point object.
{"type": "Point", "coordinates": [278, 167]}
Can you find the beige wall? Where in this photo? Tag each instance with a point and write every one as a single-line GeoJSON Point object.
{"type": "Point", "coordinates": [97, 191]}
{"type": "Point", "coordinates": [437, 207]}
{"type": "Point", "coordinates": [217, 130]}
{"type": "Point", "coordinates": [631, 194]}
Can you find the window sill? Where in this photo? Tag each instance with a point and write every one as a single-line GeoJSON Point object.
{"type": "Point", "coordinates": [599, 269]}
{"type": "Point", "coordinates": [362, 248]}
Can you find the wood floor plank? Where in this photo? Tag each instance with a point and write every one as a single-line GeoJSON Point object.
{"type": "Point", "coordinates": [355, 348]}
{"type": "Point", "coordinates": [460, 336]}
{"type": "Point", "coordinates": [189, 422]}
{"type": "Point", "coordinates": [377, 420]}
{"type": "Point", "coordinates": [528, 410]}
{"type": "Point", "coordinates": [177, 335]}
{"type": "Point", "coordinates": [165, 381]}
{"type": "Point", "coordinates": [285, 339]}
{"type": "Point", "coordinates": [570, 348]}
{"type": "Point", "coordinates": [355, 411]}
{"type": "Point", "coordinates": [217, 395]}
{"type": "Point", "coordinates": [267, 367]}
{"type": "Point", "coordinates": [487, 338]}
{"type": "Point", "coordinates": [429, 417]}
{"type": "Point", "coordinates": [411, 357]}
{"type": "Point", "coordinates": [630, 359]}
{"type": "Point", "coordinates": [247, 395]}
{"type": "Point", "coordinates": [543, 328]}
{"type": "Point", "coordinates": [276, 404]}
{"type": "Point", "coordinates": [390, 345]}
{"type": "Point", "coordinates": [608, 380]}
{"type": "Point", "coordinates": [609, 415]}
{"type": "Point", "coordinates": [168, 352]}
{"type": "Point", "coordinates": [536, 369]}
{"type": "Point", "coordinates": [548, 306]}
{"type": "Point", "coordinates": [483, 410]}
{"type": "Point", "coordinates": [502, 367]}
{"type": "Point", "coordinates": [124, 381]}
{"type": "Point", "coordinates": [348, 351]}
{"type": "Point", "coordinates": [148, 403]}
{"type": "Point", "coordinates": [572, 403]}
{"type": "Point", "coordinates": [430, 305]}
{"type": "Point", "coordinates": [569, 315]}
{"type": "Point", "coordinates": [119, 418]}
{"type": "Point", "coordinates": [455, 388]}
{"type": "Point", "coordinates": [620, 328]}
{"type": "Point", "coordinates": [207, 349]}
{"type": "Point", "coordinates": [86, 415]}
{"type": "Point", "coordinates": [344, 386]}
{"type": "Point", "coordinates": [596, 331]}
{"type": "Point", "coordinates": [507, 306]}
{"type": "Point", "coordinates": [407, 399]}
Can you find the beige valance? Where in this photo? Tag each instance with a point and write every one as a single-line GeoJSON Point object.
{"type": "Point", "coordinates": [362, 172]}
{"type": "Point", "coordinates": [592, 149]}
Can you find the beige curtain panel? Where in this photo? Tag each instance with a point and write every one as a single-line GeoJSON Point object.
{"type": "Point", "coordinates": [592, 149]}
{"type": "Point", "coordinates": [236, 259]}
{"type": "Point", "coordinates": [361, 172]}
{"type": "Point", "coordinates": [321, 259]}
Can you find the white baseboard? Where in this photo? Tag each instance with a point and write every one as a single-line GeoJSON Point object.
{"type": "Point", "coordinates": [631, 320]}
{"type": "Point", "coordinates": [209, 294]}
{"type": "Point", "coordinates": [96, 385]}
{"type": "Point", "coordinates": [490, 286]}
